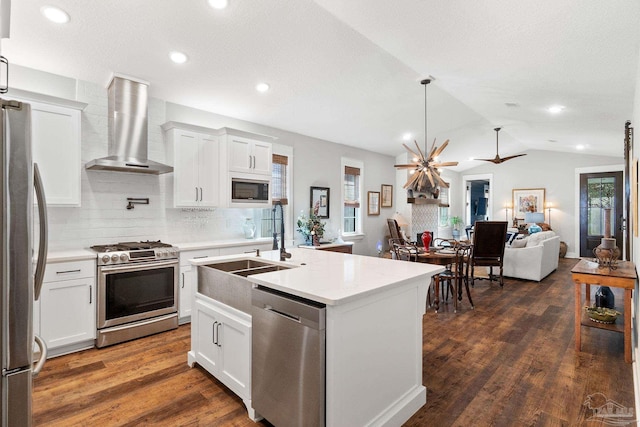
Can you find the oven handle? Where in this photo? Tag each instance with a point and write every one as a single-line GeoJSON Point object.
{"type": "Point", "coordinates": [141, 266]}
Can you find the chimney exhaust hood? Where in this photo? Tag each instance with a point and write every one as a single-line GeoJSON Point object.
{"type": "Point", "coordinates": [128, 111]}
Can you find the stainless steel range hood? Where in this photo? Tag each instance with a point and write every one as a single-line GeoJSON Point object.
{"type": "Point", "coordinates": [128, 106]}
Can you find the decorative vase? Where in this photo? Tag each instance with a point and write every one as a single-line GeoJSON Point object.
{"type": "Point", "coordinates": [604, 297]}
{"type": "Point", "coordinates": [249, 228]}
{"type": "Point", "coordinates": [426, 240]}
{"type": "Point", "coordinates": [315, 239]}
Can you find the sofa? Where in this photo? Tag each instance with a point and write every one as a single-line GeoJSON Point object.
{"type": "Point", "coordinates": [533, 257]}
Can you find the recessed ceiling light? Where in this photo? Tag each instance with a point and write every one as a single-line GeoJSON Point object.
{"type": "Point", "coordinates": [218, 4]}
{"type": "Point", "coordinates": [55, 14]}
{"type": "Point", "coordinates": [262, 87]}
{"type": "Point", "coordinates": [579, 147]}
{"type": "Point", "coordinates": [178, 57]}
{"type": "Point", "coordinates": [406, 137]}
{"type": "Point", "coordinates": [555, 109]}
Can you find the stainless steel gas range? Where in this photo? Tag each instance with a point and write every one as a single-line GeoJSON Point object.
{"type": "Point", "coordinates": [137, 290]}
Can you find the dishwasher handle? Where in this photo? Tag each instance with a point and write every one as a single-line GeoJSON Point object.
{"type": "Point", "coordinates": [283, 314]}
{"type": "Point", "coordinates": [303, 311]}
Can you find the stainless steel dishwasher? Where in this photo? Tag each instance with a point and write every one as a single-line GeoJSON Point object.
{"type": "Point", "coordinates": [288, 358]}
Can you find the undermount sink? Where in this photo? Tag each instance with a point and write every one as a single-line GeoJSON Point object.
{"type": "Point", "coordinates": [246, 267]}
{"type": "Point", "coordinates": [228, 282]}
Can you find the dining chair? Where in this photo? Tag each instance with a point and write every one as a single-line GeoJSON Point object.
{"type": "Point", "coordinates": [455, 275]}
{"type": "Point", "coordinates": [488, 248]}
{"type": "Point", "coordinates": [400, 247]}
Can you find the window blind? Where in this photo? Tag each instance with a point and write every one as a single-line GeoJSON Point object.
{"type": "Point", "coordinates": [351, 187]}
{"type": "Point", "coordinates": [279, 179]}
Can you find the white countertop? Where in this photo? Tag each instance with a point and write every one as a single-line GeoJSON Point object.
{"type": "Point", "coordinates": [333, 278]}
{"type": "Point", "coordinates": [70, 255]}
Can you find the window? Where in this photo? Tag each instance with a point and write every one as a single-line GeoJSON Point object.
{"type": "Point", "coordinates": [352, 196]}
{"type": "Point", "coordinates": [280, 185]}
{"type": "Point", "coordinates": [443, 209]}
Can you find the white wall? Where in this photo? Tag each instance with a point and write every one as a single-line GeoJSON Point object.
{"type": "Point", "coordinates": [102, 217]}
{"type": "Point", "coordinates": [553, 171]}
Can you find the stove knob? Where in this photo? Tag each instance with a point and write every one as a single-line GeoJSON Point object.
{"type": "Point", "coordinates": [124, 257]}
{"type": "Point", "coordinates": [105, 258]}
{"type": "Point", "coordinates": [114, 257]}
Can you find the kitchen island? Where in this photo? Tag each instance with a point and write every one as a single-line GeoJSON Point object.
{"type": "Point", "coordinates": [374, 310]}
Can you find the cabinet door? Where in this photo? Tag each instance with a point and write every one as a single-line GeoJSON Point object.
{"type": "Point", "coordinates": [240, 154]}
{"type": "Point", "coordinates": [209, 179]}
{"type": "Point", "coordinates": [187, 284]}
{"type": "Point", "coordinates": [186, 165]}
{"type": "Point", "coordinates": [262, 158]}
{"type": "Point", "coordinates": [55, 135]}
{"type": "Point", "coordinates": [235, 354]}
{"type": "Point", "coordinates": [67, 312]}
{"type": "Point", "coordinates": [206, 336]}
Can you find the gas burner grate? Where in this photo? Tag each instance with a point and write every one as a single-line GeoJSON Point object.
{"type": "Point", "coordinates": [130, 246]}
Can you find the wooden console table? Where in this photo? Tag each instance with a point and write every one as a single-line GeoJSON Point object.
{"type": "Point", "coordinates": [624, 276]}
{"type": "Point", "coordinates": [345, 248]}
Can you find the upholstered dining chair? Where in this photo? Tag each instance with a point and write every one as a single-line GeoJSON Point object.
{"type": "Point", "coordinates": [400, 247]}
{"type": "Point", "coordinates": [488, 248]}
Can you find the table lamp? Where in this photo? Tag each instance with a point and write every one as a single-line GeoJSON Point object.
{"type": "Point", "coordinates": [533, 218]}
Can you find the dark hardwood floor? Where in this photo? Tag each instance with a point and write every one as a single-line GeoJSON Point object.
{"type": "Point", "coordinates": [509, 362]}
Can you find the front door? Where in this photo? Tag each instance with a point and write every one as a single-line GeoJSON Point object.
{"type": "Point", "coordinates": [601, 209]}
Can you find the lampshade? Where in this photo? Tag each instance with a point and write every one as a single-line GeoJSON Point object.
{"type": "Point", "coordinates": [402, 222]}
{"type": "Point", "coordinates": [533, 217]}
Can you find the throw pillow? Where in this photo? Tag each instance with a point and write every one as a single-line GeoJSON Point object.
{"type": "Point", "coordinates": [519, 243]}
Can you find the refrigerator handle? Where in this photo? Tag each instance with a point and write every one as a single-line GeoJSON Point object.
{"type": "Point", "coordinates": [44, 235]}
{"type": "Point", "coordinates": [43, 355]}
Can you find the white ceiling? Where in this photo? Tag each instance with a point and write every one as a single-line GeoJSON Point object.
{"type": "Point", "coordinates": [348, 71]}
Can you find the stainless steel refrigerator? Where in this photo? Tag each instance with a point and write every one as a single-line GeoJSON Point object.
{"type": "Point", "coordinates": [21, 280]}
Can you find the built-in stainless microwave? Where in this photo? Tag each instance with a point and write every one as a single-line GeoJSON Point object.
{"type": "Point", "coordinates": [245, 190]}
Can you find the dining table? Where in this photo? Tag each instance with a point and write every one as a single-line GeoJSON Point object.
{"type": "Point", "coordinates": [439, 256]}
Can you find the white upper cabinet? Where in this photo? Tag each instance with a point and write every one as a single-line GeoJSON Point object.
{"type": "Point", "coordinates": [249, 155]}
{"type": "Point", "coordinates": [194, 153]}
{"type": "Point", "coordinates": [56, 137]}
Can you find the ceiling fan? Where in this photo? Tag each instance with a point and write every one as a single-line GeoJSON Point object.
{"type": "Point", "coordinates": [426, 177]}
{"type": "Point", "coordinates": [497, 159]}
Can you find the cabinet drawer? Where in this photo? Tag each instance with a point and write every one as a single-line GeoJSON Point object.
{"type": "Point", "coordinates": [185, 256]}
{"type": "Point", "coordinates": [69, 270]}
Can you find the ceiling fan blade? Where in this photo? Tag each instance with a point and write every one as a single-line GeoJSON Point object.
{"type": "Point", "coordinates": [411, 151]}
{"type": "Point", "coordinates": [439, 150]}
{"type": "Point", "coordinates": [504, 159]}
{"type": "Point", "coordinates": [439, 165]}
{"type": "Point", "coordinates": [407, 166]}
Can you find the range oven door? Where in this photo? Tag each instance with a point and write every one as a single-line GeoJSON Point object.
{"type": "Point", "coordinates": [133, 292]}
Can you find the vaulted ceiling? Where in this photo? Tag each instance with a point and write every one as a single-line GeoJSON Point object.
{"type": "Point", "coordinates": [350, 71]}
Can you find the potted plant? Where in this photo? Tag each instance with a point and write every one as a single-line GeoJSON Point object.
{"type": "Point", "coordinates": [456, 222]}
{"type": "Point", "coordinates": [310, 227]}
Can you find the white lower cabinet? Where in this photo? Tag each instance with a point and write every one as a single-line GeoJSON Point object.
{"type": "Point", "coordinates": [221, 344]}
{"type": "Point", "coordinates": [68, 306]}
{"type": "Point", "coordinates": [189, 281]}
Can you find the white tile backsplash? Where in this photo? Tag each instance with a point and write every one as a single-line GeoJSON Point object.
{"type": "Point", "coordinates": [103, 217]}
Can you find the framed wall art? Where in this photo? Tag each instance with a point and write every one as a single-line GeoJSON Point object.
{"type": "Point", "coordinates": [320, 201]}
{"type": "Point", "coordinates": [527, 200]}
{"type": "Point", "coordinates": [386, 193]}
{"type": "Point", "coordinates": [373, 203]}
